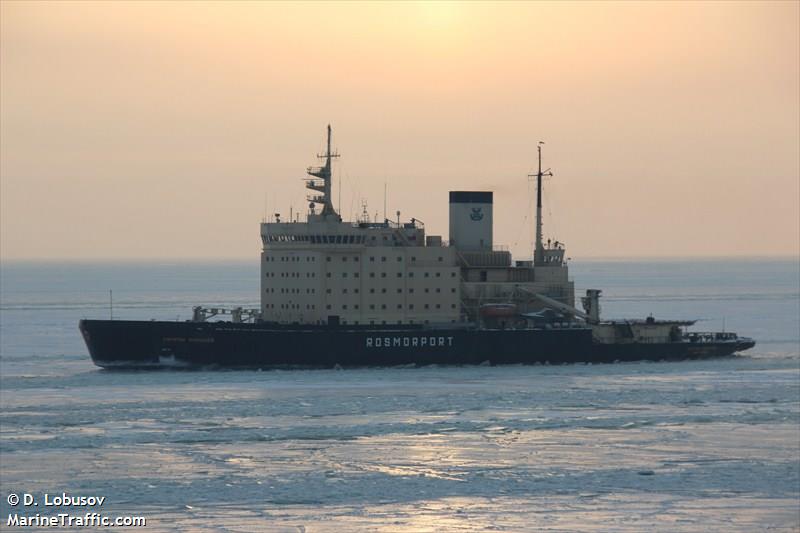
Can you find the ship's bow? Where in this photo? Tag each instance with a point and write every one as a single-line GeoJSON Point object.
{"type": "Point", "coordinates": [120, 343]}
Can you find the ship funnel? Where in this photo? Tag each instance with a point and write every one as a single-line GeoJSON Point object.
{"type": "Point", "coordinates": [591, 304]}
{"type": "Point", "coordinates": [471, 220]}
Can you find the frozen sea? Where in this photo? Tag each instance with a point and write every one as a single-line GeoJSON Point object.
{"type": "Point", "coordinates": [681, 446]}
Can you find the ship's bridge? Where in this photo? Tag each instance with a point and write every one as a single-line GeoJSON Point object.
{"type": "Point", "coordinates": [333, 233]}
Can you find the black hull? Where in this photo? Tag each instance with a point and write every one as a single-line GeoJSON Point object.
{"type": "Point", "coordinates": [135, 344]}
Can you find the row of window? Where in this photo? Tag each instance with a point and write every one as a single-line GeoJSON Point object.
{"type": "Point", "coordinates": [290, 306]}
{"type": "Point", "coordinates": [399, 291]}
{"type": "Point", "coordinates": [383, 275]}
{"type": "Point", "coordinates": [399, 258]}
{"type": "Point", "coordinates": [355, 258]}
{"type": "Point", "coordinates": [346, 274]}
{"type": "Point", "coordinates": [384, 322]}
{"type": "Point", "coordinates": [315, 239]}
{"type": "Point", "coordinates": [271, 290]}
{"type": "Point", "coordinates": [410, 307]}
{"type": "Point", "coordinates": [290, 258]}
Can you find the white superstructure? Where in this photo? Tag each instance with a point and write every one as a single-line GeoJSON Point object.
{"type": "Point", "coordinates": [365, 272]}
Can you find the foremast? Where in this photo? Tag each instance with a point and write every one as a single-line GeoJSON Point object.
{"type": "Point", "coordinates": [325, 186]}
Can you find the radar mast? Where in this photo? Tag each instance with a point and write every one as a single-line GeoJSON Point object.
{"type": "Point", "coordinates": [538, 252]}
{"type": "Point", "coordinates": [325, 186]}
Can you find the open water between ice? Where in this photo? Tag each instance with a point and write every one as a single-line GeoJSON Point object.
{"type": "Point", "coordinates": [687, 446]}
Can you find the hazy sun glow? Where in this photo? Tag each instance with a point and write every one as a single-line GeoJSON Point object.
{"type": "Point", "coordinates": [136, 130]}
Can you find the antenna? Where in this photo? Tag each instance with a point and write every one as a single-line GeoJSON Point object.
{"type": "Point", "coordinates": [385, 188]}
{"type": "Point", "coordinates": [538, 252]}
{"type": "Point", "coordinates": [111, 304]}
{"type": "Point", "coordinates": [364, 211]}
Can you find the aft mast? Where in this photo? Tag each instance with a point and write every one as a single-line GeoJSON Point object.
{"type": "Point", "coordinates": [325, 186]}
{"type": "Point", "coordinates": [538, 253]}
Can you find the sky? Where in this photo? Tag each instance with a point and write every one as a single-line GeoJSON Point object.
{"type": "Point", "coordinates": [135, 131]}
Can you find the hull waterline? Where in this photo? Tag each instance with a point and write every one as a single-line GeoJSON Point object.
{"type": "Point", "coordinates": [149, 344]}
